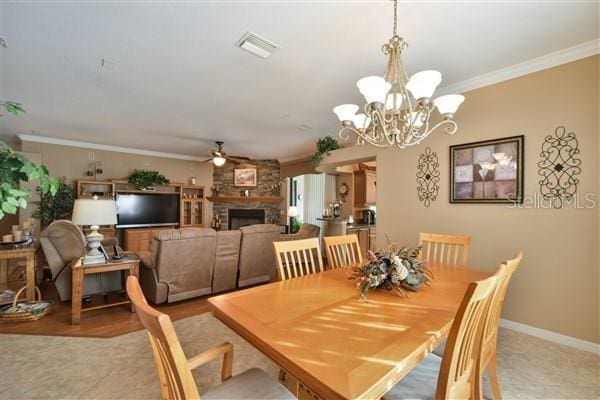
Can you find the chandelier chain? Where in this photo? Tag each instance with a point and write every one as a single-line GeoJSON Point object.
{"type": "Point", "coordinates": [395, 17]}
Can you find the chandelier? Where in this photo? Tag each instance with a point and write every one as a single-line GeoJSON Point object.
{"type": "Point", "coordinates": [398, 109]}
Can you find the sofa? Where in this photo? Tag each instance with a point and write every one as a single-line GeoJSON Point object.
{"type": "Point", "coordinates": [190, 262]}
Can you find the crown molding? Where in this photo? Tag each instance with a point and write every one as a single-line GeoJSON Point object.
{"type": "Point", "coordinates": [96, 146]}
{"type": "Point", "coordinates": [550, 60]}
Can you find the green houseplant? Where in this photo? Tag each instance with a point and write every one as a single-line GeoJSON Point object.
{"type": "Point", "coordinates": [14, 169]}
{"type": "Point", "coordinates": [144, 179]}
{"type": "Point", "coordinates": [324, 147]}
{"type": "Point", "coordinates": [59, 206]}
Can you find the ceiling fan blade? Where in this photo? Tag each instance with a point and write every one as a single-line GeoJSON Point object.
{"type": "Point", "coordinates": [207, 160]}
{"type": "Point", "coordinates": [233, 160]}
{"type": "Point", "coordinates": [240, 158]}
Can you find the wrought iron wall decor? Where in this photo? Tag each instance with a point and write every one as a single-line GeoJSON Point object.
{"type": "Point", "coordinates": [428, 177]}
{"type": "Point", "coordinates": [559, 166]}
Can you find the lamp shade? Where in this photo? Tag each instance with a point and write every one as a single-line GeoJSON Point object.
{"type": "Point", "coordinates": [218, 161]}
{"type": "Point", "coordinates": [374, 88]}
{"type": "Point", "coordinates": [361, 121]}
{"type": "Point", "coordinates": [345, 112]}
{"type": "Point", "coordinates": [448, 104]}
{"type": "Point", "coordinates": [422, 84]}
{"type": "Point", "coordinates": [417, 119]}
{"type": "Point", "coordinates": [94, 212]}
{"type": "Point", "coordinates": [293, 211]}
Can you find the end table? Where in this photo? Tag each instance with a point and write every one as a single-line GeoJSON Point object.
{"type": "Point", "coordinates": [79, 270]}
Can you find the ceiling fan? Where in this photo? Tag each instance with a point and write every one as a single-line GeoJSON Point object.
{"type": "Point", "coordinates": [219, 157]}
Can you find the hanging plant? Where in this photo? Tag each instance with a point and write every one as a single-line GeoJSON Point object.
{"type": "Point", "coordinates": [143, 179]}
{"type": "Point", "coordinates": [324, 147]}
{"type": "Point", "coordinates": [59, 206]}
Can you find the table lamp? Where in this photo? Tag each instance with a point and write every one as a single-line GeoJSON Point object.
{"type": "Point", "coordinates": [292, 214]}
{"type": "Point", "coordinates": [94, 212]}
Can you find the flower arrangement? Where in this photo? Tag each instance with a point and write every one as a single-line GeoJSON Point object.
{"type": "Point", "coordinates": [397, 268]}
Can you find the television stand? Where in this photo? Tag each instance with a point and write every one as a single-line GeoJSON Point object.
{"type": "Point", "coordinates": [140, 239]}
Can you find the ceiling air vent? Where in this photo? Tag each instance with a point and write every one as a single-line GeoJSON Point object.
{"type": "Point", "coordinates": [256, 45]}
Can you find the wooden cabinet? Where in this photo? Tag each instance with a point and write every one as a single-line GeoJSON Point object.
{"type": "Point", "coordinates": [373, 239]}
{"type": "Point", "coordinates": [140, 239]}
{"type": "Point", "coordinates": [191, 211]}
{"type": "Point", "coordinates": [89, 189]}
{"type": "Point", "coordinates": [365, 188]}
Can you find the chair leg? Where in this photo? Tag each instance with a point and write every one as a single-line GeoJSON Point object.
{"type": "Point", "coordinates": [493, 375]}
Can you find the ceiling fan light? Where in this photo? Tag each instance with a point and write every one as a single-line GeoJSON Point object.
{"type": "Point", "coordinates": [422, 84]}
{"type": "Point", "coordinates": [361, 121]}
{"type": "Point", "coordinates": [345, 112]}
{"type": "Point", "coordinates": [218, 161]}
{"type": "Point", "coordinates": [448, 104]}
{"type": "Point", "coordinates": [374, 89]}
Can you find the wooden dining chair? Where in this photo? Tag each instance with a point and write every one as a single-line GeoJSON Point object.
{"type": "Point", "coordinates": [446, 249]}
{"type": "Point", "coordinates": [487, 353]}
{"type": "Point", "coordinates": [297, 258]}
{"type": "Point", "coordinates": [175, 370]}
{"type": "Point", "coordinates": [342, 251]}
{"type": "Point", "coordinates": [455, 371]}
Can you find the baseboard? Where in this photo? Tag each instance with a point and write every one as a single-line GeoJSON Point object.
{"type": "Point", "coordinates": [551, 336]}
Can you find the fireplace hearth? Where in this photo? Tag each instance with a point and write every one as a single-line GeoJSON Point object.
{"type": "Point", "coordinates": [244, 217]}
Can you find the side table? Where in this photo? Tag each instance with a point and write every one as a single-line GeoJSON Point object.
{"type": "Point", "coordinates": [25, 252]}
{"type": "Point", "coordinates": [79, 270]}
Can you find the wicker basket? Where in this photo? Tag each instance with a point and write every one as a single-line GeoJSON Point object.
{"type": "Point", "coordinates": [13, 314]}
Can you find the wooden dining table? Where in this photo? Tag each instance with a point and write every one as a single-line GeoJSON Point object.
{"type": "Point", "coordinates": [337, 347]}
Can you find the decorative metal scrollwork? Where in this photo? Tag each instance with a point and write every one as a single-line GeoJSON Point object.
{"type": "Point", "coordinates": [428, 177]}
{"type": "Point", "coordinates": [559, 166]}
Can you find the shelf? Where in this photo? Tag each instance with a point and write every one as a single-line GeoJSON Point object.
{"type": "Point", "coordinates": [242, 199]}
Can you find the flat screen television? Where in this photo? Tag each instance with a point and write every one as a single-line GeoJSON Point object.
{"type": "Point", "coordinates": [141, 209]}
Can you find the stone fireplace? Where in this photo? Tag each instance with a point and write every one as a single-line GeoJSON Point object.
{"type": "Point", "coordinates": [264, 193]}
{"type": "Point", "coordinates": [244, 217]}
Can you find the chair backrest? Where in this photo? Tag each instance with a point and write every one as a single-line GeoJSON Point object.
{"type": "Point", "coordinates": [62, 242]}
{"type": "Point", "coordinates": [174, 373]}
{"type": "Point", "coordinates": [342, 251]}
{"type": "Point", "coordinates": [456, 377]}
{"type": "Point", "coordinates": [297, 258]}
{"type": "Point", "coordinates": [490, 328]}
{"type": "Point", "coordinates": [448, 249]}
{"type": "Point", "coordinates": [256, 264]}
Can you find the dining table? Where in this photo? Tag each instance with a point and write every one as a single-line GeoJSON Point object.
{"type": "Point", "coordinates": [317, 329]}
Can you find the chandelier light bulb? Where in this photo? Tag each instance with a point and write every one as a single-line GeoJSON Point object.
{"type": "Point", "coordinates": [361, 121]}
{"type": "Point", "coordinates": [448, 104]}
{"type": "Point", "coordinates": [345, 112]}
{"type": "Point", "coordinates": [422, 85]}
{"type": "Point", "coordinates": [218, 161]}
{"type": "Point", "coordinates": [374, 89]}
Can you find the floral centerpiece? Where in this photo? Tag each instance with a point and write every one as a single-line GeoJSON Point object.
{"type": "Point", "coordinates": [398, 269]}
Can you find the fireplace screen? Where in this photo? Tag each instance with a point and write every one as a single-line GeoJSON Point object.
{"type": "Point", "coordinates": [238, 218]}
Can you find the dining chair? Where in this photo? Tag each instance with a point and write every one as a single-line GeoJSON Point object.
{"type": "Point", "coordinates": [297, 258]}
{"type": "Point", "coordinates": [342, 251]}
{"type": "Point", "coordinates": [455, 370]}
{"type": "Point", "coordinates": [487, 353]}
{"type": "Point", "coordinates": [447, 249]}
{"type": "Point", "coordinates": [175, 370]}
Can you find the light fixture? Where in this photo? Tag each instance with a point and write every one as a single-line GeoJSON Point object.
{"type": "Point", "coordinates": [256, 45]}
{"type": "Point", "coordinates": [398, 109]}
{"type": "Point", "coordinates": [94, 212]}
{"type": "Point", "coordinates": [218, 161]}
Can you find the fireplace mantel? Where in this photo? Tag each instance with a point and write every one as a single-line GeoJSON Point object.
{"type": "Point", "coordinates": [244, 199]}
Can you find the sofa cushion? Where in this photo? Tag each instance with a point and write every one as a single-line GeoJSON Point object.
{"type": "Point", "coordinates": [226, 260]}
{"type": "Point", "coordinates": [257, 261]}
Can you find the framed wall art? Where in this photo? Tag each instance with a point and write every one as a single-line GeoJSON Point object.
{"type": "Point", "coordinates": [245, 177]}
{"type": "Point", "coordinates": [490, 171]}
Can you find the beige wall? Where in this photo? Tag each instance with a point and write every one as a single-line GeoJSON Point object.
{"type": "Point", "coordinates": [557, 285]}
{"type": "Point", "coordinates": [72, 162]}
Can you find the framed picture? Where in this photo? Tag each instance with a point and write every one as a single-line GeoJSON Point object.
{"type": "Point", "coordinates": [490, 171]}
{"type": "Point", "coordinates": [245, 177]}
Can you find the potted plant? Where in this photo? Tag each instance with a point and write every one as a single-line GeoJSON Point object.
{"type": "Point", "coordinates": [147, 180]}
{"type": "Point", "coordinates": [59, 206]}
{"type": "Point", "coordinates": [14, 169]}
{"type": "Point", "coordinates": [324, 147]}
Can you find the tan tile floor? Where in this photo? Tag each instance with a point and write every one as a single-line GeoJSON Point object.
{"type": "Point", "coordinates": [43, 367]}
